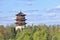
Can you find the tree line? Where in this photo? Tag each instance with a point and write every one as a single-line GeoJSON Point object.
{"type": "Point", "coordinates": [35, 32]}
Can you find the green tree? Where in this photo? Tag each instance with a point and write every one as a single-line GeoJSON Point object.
{"type": "Point", "coordinates": [1, 36]}
{"type": "Point", "coordinates": [40, 35]}
{"type": "Point", "coordinates": [24, 35]}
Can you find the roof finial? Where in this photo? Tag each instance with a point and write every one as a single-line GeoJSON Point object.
{"type": "Point", "coordinates": [20, 10]}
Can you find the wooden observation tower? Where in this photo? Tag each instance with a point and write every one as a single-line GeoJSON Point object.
{"type": "Point", "coordinates": [20, 20]}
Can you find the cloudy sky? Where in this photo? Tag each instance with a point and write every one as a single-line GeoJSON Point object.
{"type": "Point", "coordinates": [37, 11]}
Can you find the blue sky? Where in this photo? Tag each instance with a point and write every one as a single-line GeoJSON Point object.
{"type": "Point", "coordinates": [37, 11]}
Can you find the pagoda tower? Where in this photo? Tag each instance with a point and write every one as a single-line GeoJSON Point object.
{"type": "Point", "coordinates": [20, 20]}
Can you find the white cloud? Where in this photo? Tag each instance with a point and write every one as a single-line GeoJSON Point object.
{"type": "Point", "coordinates": [29, 3]}
{"type": "Point", "coordinates": [48, 21]}
{"type": "Point", "coordinates": [58, 6]}
{"type": "Point", "coordinates": [54, 10]}
{"type": "Point", "coordinates": [31, 10]}
{"type": "Point", "coordinates": [51, 14]}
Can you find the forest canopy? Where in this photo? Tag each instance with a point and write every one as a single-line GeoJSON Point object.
{"type": "Point", "coordinates": [34, 32]}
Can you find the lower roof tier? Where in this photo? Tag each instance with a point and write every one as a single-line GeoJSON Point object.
{"type": "Point", "coordinates": [20, 23]}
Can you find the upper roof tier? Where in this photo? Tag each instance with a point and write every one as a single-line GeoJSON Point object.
{"type": "Point", "coordinates": [20, 14]}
